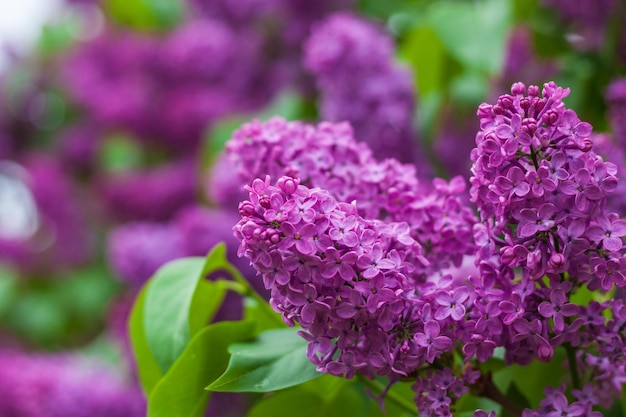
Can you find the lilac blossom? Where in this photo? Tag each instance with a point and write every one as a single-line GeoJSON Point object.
{"type": "Point", "coordinates": [368, 260]}
{"type": "Point", "coordinates": [154, 194]}
{"type": "Point", "coordinates": [64, 385]}
{"type": "Point", "coordinates": [352, 61]}
{"type": "Point", "coordinates": [327, 156]}
{"type": "Point", "coordinates": [137, 250]}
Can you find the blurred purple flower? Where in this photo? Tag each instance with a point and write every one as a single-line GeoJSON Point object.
{"type": "Point", "coordinates": [154, 194]}
{"type": "Point", "coordinates": [136, 250]}
{"type": "Point", "coordinates": [63, 386]}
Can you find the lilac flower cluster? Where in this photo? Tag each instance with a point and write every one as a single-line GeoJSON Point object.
{"type": "Point", "coordinates": [352, 61]}
{"type": "Point", "coordinates": [346, 280]}
{"type": "Point", "coordinates": [328, 157]}
{"type": "Point", "coordinates": [556, 404]}
{"type": "Point", "coordinates": [356, 286]}
{"type": "Point", "coordinates": [354, 251]}
{"type": "Point", "coordinates": [62, 386]}
{"type": "Point", "coordinates": [150, 194]}
{"type": "Point", "coordinates": [200, 72]}
{"type": "Point", "coordinates": [542, 194]}
{"type": "Point", "coordinates": [352, 271]}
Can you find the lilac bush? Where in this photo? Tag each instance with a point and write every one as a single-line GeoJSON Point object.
{"type": "Point", "coordinates": [353, 251]}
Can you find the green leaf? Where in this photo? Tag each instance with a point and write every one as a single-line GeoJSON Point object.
{"type": "Point", "coordinates": [424, 51]}
{"type": "Point", "coordinates": [181, 392]}
{"type": "Point", "coordinates": [166, 312]}
{"type": "Point", "coordinates": [275, 360]}
{"type": "Point", "coordinates": [535, 377]}
{"type": "Point", "coordinates": [180, 301]}
{"type": "Point", "coordinates": [264, 317]}
{"type": "Point", "coordinates": [473, 32]}
{"type": "Point", "coordinates": [147, 367]}
{"type": "Point", "coordinates": [147, 15]}
{"type": "Point", "coordinates": [515, 395]}
{"type": "Point", "coordinates": [206, 300]}
{"type": "Point", "coordinates": [329, 396]}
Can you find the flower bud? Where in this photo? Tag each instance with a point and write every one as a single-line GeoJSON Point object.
{"type": "Point", "coordinates": [557, 261]}
{"type": "Point", "coordinates": [288, 185]}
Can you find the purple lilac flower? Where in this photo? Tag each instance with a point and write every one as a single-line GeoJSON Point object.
{"type": "Point", "coordinates": [154, 194]}
{"type": "Point", "coordinates": [557, 227]}
{"type": "Point", "coordinates": [137, 250]}
{"type": "Point", "coordinates": [367, 286]}
{"type": "Point", "coordinates": [64, 385]}
{"type": "Point", "coordinates": [551, 140]}
{"type": "Point", "coordinates": [169, 91]}
{"type": "Point", "coordinates": [327, 156]}
{"type": "Point", "coordinates": [352, 61]}
{"type": "Point", "coordinates": [377, 289]}
{"type": "Point", "coordinates": [556, 404]}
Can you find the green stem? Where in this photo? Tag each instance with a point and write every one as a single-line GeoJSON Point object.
{"type": "Point", "coordinates": [251, 292]}
{"type": "Point", "coordinates": [533, 155]}
{"type": "Point", "coordinates": [571, 359]}
{"type": "Point", "coordinates": [394, 397]}
{"type": "Point", "coordinates": [487, 389]}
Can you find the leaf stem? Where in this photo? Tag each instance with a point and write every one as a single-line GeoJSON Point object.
{"type": "Point", "coordinates": [394, 397]}
{"type": "Point", "coordinates": [487, 389]}
{"type": "Point", "coordinates": [251, 292]}
{"type": "Point", "coordinates": [571, 359]}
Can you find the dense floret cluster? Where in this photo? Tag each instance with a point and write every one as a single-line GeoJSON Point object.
{"type": "Point", "coordinates": [352, 61]}
{"type": "Point", "coordinates": [348, 247]}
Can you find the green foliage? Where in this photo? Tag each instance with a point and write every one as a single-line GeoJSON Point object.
{"type": "Point", "coordinates": [120, 152]}
{"type": "Point", "coordinates": [275, 360]}
{"type": "Point", "coordinates": [473, 32]}
{"type": "Point", "coordinates": [166, 310]}
{"type": "Point", "coordinates": [8, 288]}
{"type": "Point", "coordinates": [260, 313]}
{"type": "Point", "coordinates": [176, 304]}
{"type": "Point", "coordinates": [181, 391]}
{"type": "Point", "coordinates": [147, 367]}
{"type": "Point", "coordinates": [531, 380]}
{"type": "Point", "coordinates": [48, 310]}
{"type": "Point", "coordinates": [145, 15]}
